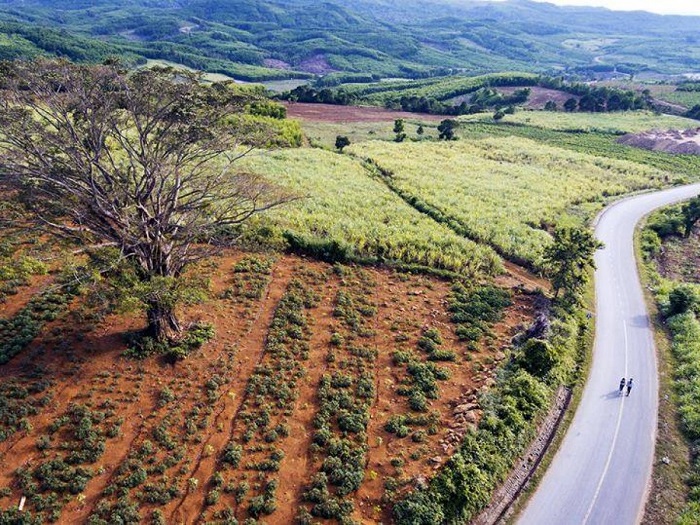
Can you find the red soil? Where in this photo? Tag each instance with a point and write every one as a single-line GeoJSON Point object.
{"type": "Point", "coordinates": [332, 113]}
{"type": "Point", "coordinates": [86, 366]}
{"type": "Point", "coordinates": [540, 96]}
{"type": "Point", "coordinates": [15, 302]}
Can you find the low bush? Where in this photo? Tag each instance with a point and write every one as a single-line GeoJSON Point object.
{"type": "Point", "coordinates": [538, 357]}
{"type": "Point", "coordinates": [123, 511]}
{"type": "Point", "coordinates": [19, 400]}
{"type": "Point", "coordinates": [251, 276]}
{"type": "Point", "coordinates": [142, 346]}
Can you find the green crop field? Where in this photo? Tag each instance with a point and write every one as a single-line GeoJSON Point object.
{"type": "Point", "coordinates": [683, 98]}
{"type": "Point", "coordinates": [324, 133]}
{"type": "Point", "coordinates": [438, 89]}
{"type": "Point", "coordinates": [504, 191]}
{"type": "Point", "coordinates": [619, 122]}
{"type": "Point", "coordinates": [342, 203]}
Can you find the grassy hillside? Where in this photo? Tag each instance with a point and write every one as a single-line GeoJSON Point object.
{"type": "Point", "coordinates": [337, 386]}
{"type": "Point", "coordinates": [268, 39]}
{"type": "Point", "coordinates": [349, 214]}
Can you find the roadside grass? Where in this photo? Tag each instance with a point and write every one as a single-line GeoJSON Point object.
{"type": "Point", "coordinates": [577, 383]}
{"type": "Point", "coordinates": [669, 491]}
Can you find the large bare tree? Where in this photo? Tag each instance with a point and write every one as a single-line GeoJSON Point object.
{"type": "Point", "coordinates": [140, 161]}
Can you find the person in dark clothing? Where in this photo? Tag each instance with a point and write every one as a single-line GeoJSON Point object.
{"type": "Point", "coordinates": [629, 386]}
{"type": "Point", "coordinates": [622, 385]}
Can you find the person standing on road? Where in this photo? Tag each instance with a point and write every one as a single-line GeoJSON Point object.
{"type": "Point", "coordinates": [629, 386]}
{"type": "Point", "coordinates": [622, 385]}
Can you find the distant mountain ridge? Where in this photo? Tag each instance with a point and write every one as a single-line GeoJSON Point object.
{"type": "Point", "coordinates": [266, 39]}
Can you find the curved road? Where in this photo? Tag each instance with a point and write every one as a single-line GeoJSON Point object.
{"type": "Point", "coordinates": [602, 470]}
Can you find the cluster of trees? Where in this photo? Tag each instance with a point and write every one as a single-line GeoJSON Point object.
{"type": "Point", "coordinates": [688, 86]}
{"type": "Point", "coordinates": [438, 96]}
{"type": "Point", "coordinates": [601, 99]}
{"type": "Point", "coordinates": [416, 104]}
{"type": "Point", "coordinates": [25, 41]}
{"type": "Point", "coordinates": [309, 94]}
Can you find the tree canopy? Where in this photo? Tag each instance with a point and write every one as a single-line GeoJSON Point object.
{"type": "Point", "coordinates": [142, 162]}
{"type": "Point", "coordinates": [569, 259]}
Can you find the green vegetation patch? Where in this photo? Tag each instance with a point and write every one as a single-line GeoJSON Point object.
{"type": "Point", "coordinates": [76, 440]}
{"type": "Point", "coordinates": [345, 395]}
{"type": "Point", "coordinates": [16, 333]}
{"type": "Point", "coordinates": [615, 123]}
{"type": "Point", "coordinates": [20, 400]}
{"type": "Point", "coordinates": [679, 305]}
{"type": "Point", "coordinates": [270, 395]}
{"type": "Point", "coordinates": [343, 215]}
{"type": "Point", "coordinates": [251, 276]}
{"type": "Point", "coordinates": [464, 484]}
{"type": "Point", "coordinates": [503, 192]}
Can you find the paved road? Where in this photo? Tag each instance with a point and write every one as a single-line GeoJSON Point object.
{"type": "Point", "coordinates": [601, 473]}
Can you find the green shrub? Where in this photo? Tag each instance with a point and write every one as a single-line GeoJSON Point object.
{"type": "Point", "coordinates": [417, 401]}
{"type": "Point", "coordinates": [16, 333]}
{"type": "Point", "coordinates": [683, 298]}
{"type": "Point", "coordinates": [538, 357]}
{"type": "Point", "coordinates": [401, 358]}
{"type": "Point", "coordinates": [442, 355]}
{"type": "Point", "coordinates": [213, 497]}
{"type": "Point", "coordinates": [428, 345]}
{"type": "Point", "coordinates": [123, 512]}
{"type": "Point", "coordinates": [232, 454]}
{"type": "Point", "coordinates": [159, 493]}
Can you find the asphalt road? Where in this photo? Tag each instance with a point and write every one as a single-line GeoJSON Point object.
{"type": "Point", "coordinates": [601, 473]}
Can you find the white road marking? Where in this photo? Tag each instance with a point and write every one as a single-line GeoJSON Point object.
{"type": "Point", "coordinates": [612, 445]}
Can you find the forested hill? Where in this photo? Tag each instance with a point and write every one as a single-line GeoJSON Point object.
{"type": "Point", "coordinates": [266, 39]}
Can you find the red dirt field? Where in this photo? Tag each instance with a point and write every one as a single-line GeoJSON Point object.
{"type": "Point", "coordinates": [256, 385]}
{"type": "Point", "coordinates": [333, 113]}
{"type": "Point", "coordinates": [540, 96]}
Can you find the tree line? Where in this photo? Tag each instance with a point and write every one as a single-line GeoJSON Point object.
{"type": "Point", "coordinates": [586, 98]}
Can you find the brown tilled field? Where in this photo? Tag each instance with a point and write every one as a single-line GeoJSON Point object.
{"type": "Point", "coordinates": [333, 113]}
{"type": "Point", "coordinates": [267, 420]}
{"type": "Point", "coordinates": [539, 96]}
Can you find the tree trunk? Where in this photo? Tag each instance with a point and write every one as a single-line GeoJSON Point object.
{"type": "Point", "coordinates": [162, 323]}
